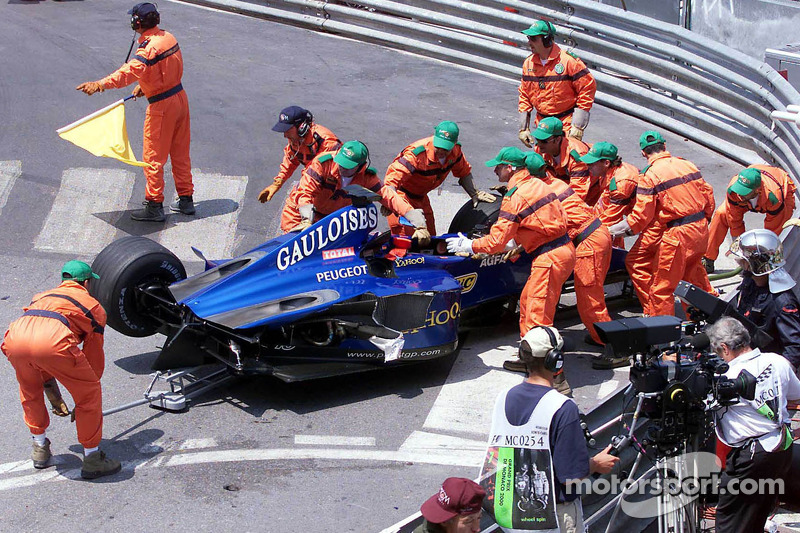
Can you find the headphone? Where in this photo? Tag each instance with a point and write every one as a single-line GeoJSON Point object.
{"type": "Point", "coordinates": [554, 359]}
{"type": "Point", "coordinates": [547, 40]}
{"type": "Point", "coordinates": [366, 163]}
{"type": "Point", "coordinates": [149, 20]}
{"type": "Point", "coordinates": [305, 125]}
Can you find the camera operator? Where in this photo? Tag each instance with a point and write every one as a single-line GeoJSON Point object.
{"type": "Point", "coordinates": [765, 294]}
{"type": "Point", "coordinates": [756, 430]}
{"type": "Point", "coordinates": [558, 447]}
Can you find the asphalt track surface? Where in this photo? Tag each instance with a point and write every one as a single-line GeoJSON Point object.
{"type": "Point", "coordinates": [346, 454]}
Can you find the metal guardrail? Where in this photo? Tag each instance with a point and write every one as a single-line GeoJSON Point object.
{"type": "Point", "coordinates": [661, 73]}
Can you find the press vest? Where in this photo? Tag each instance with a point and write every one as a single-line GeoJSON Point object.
{"type": "Point", "coordinates": [518, 472]}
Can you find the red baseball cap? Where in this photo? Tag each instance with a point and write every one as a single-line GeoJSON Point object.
{"type": "Point", "coordinates": [458, 496]}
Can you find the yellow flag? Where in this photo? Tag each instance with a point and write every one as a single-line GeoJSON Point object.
{"type": "Point", "coordinates": [104, 134]}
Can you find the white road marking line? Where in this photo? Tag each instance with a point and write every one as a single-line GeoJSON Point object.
{"type": "Point", "coordinates": [212, 230]}
{"type": "Point", "coordinates": [9, 172]}
{"type": "Point", "coordinates": [424, 442]}
{"type": "Point", "coordinates": [454, 458]}
{"type": "Point", "coordinates": [196, 444]}
{"type": "Point", "coordinates": [12, 467]}
{"type": "Point", "coordinates": [88, 204]}
{"type": "Point", "coordinates": [333, 440]}
{"type": "Point", "coordinates": [464, 404]}
{"type": "Point", "coordinates": [606, 388]}
{"type": "Point", "coordinates": [467, 458]}
{"type": "Point", "coordinates": [24, 466]}
{"type": "Point", "coordinates": [162, 445]}
{"type": "Point", "coordinates": [39, 477]}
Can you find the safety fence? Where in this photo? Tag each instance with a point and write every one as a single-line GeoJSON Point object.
{"type": "Point", "coordinates": [658, 72]}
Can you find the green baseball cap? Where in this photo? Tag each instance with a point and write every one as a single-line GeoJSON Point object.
{"type": "Point", "coordinates": [509, 155]}
{"type": "Point", "coordinates": [601, 150]}
{"type": "Point", "coordinates": [746, 182]}
{"type": "Point", "coordinates": [540, 27]}
{"type": "Point", "coordinates": [535, 163]}
{"type": "Point", "coordinates": [548, 127]}
{"type": "Point", "coordinates": [351, 154]}
{"type": "Point", "coordinates": [445, 135]}
{"type": "Point", "coordinates": [77, 271]}
{"type": "Point", "coordinates": [649, 138]}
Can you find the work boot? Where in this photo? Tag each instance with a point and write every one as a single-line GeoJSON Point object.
{"type": "Point", "coordinates": [152, 212]}
{"type": "Point", "coordinates": [515, 365]}
{"type": "Point", "coordinates": [588, 339]}
{"type": "Point", "coordinates": [561, 384]}
{"type": "Point", "coordinates": [708, 264]}
{"type": "Point", "coordinates": [184, 204]}
{"type": "Point", "coordinates": [96, 465]}
{"type": "Point", "coordinates": [607, 362]}
{"type": "Point", "coordinates": [41, 454]}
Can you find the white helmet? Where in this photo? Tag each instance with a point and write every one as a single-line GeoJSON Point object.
{"type": "Point", "coordinates": [759, 250]}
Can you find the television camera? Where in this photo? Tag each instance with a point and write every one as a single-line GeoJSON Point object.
{"type": "Point", "coordinates": [676, 379]}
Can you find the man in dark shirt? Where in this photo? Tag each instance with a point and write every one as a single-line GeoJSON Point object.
{"type": "Point", "coordinates": [765, 294]}
{"type": "Point", "coordinates": [540, 352]}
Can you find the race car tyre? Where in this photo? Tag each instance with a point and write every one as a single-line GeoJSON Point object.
{"type": "Point", "coordinates": [476, 221]}
{"type": "Point", "coordinates": [123, 265]}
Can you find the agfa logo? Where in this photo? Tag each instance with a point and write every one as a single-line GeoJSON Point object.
{"type": "Point", "coordinates": [467, 282]}
{"type": "Point", "coordinates": [492, 260]}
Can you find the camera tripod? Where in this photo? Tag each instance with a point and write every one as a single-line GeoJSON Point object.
{"type": "Point", "coordinates": [675, 512]}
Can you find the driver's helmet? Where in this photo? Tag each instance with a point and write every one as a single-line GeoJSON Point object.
{"type": "Point", "coordinates": [759, 250]}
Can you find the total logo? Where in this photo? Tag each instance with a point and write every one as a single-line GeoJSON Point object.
{"type": "Point", "coordinates": [467, 282]}
{"type": "Point", "coordinates": [338, 253]}
{"type": "Point", "coordinates": [403, 262]}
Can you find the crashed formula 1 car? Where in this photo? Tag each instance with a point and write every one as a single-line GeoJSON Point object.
{"type": "Point", "coordinates": [336, 298]}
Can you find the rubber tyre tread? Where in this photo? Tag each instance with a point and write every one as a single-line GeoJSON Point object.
{"type": "Point", "coordinates": [468, 218]}
{"type": "Point", "coordinates": [124, 264]}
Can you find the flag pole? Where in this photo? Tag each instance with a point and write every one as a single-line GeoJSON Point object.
{"type": "Point", "coordinates": [93, 115]}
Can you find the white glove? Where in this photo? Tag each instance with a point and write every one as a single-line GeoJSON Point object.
{"type": "Point", "coordinates": [306, 212]}
{"type": "Point", "coordinates": [620, 228]}
{"type": "Point", "coordinates": [482, 196]}
{"type": "Point", "coordinates": [461, 244]}
{"type": "Point", "coordinates": [416, 217]}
